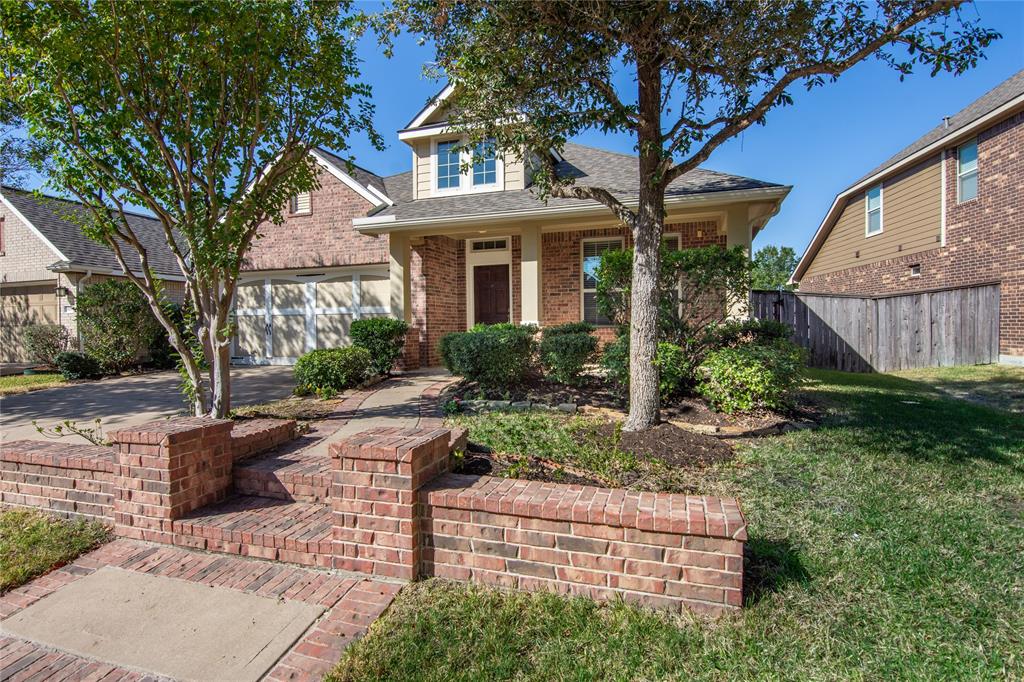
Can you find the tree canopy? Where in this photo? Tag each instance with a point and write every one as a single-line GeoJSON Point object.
{"type": "Point", "coordinates": [772, 267]}
{"type": "Point", "coordinates": [202, 113]}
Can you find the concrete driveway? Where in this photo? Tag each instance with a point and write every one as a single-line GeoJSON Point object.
{"type": "Point", "coordinates": [123, 401]}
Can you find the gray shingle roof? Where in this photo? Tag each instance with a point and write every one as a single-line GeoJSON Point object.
{"type": "Point", "coordinates": [55, 218]}
{"type": "Point", "coordinates": [993, 99]}
{"type": "Point", "coordinates": [360, 174]}
{"type": "Point", "coordinates": [618, 173]}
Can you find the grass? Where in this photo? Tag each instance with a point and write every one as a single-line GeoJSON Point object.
{"type": "Point", "coordinates": [23, 383]}
{"type": "Point", "coordinates": [33, 543]}
{"type": "Point", "coordinates": [1000, 386]}
{"type": "Point", "coordinates": [886, 544]}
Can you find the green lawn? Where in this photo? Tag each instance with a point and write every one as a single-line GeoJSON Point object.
{"type": "Point", "coordinates": [23, 383]}
{"type": "Point", "coordinates": [885, 545]}
{"type": "Point", "coordinates": [999, 386]}
{"type": "Point", "coordinates": [33, 543]}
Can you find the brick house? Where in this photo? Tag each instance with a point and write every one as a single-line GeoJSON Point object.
{"type": "Point", "coordinates": [446, 247]}
{"type": "Point", "coordinates": [45, 260]}
{"type": "Point", "coordinates": [947, 211]}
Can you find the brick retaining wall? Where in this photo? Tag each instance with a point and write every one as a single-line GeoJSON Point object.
{"type": "Point", "coordinates": [70, 480]}
{"type": "Point", "coordinates": [399, 513]}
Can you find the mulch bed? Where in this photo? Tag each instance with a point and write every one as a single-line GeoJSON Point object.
{"type": "Point", "coordinates": [593, 391]}
{"type": "Point", "coordinates": [671, 444]}
{"type": "Point", "coordinates": [529, 468]}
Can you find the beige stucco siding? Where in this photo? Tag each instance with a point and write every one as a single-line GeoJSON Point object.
{"type": "Point", "coordinates": [911, 222]}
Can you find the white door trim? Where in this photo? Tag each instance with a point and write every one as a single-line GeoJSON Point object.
{"type": "Point", "coordinates": [492, 257]}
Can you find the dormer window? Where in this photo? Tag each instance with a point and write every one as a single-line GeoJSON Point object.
{"type": "Point", "coordinates": [485, 164]}
{"type": "Point", "coordinates": [448, 167]}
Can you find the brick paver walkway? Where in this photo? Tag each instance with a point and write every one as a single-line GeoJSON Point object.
{"type": "Point", "coordinates": [353, 602]}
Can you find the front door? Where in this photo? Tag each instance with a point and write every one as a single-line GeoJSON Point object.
{"type": "Point", "coordinates": [490, 294]}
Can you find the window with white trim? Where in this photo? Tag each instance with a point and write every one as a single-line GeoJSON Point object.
{"type": "Point", "coordinates": [873, 208]}
{"type": "Point", "coordinates": [591, 252]}
{"type": "Point", "coordinates": [301, 203]}
{"type": "Point", "coordinates": [485, 164]}
{"type": "Point", "coordinates": [448, 165]}
{"type": "Point", "coordinates": [967, 171]}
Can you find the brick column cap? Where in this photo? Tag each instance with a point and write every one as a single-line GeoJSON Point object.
{"type": "Point", "coordinates": [170, 431]}
{"type": "Point", "coordinates": [394, 444]}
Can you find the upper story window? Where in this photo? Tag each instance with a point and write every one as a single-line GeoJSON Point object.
{"type": "Point", "coordinates": [873, 201]}
{"type": "Point", "coordinates": [967, 171]}
{"type": "Point", "coordinates": [300, 203]}
{"type": "Point", "coordinates": [448, 168]}
{"type": "Point", "coordinates": [485, 164]}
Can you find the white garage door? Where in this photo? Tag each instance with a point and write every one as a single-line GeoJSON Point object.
{"type": "Point", "coordinates": [280, 317]}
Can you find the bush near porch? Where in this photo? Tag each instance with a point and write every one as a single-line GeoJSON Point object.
{"type": "Point", "coordinates": [883, 545]}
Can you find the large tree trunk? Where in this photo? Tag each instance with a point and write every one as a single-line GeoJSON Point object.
{"type": "Point", "coordinates": [643, 327]}
{"type": "Point", "coordinates": [220, 381]}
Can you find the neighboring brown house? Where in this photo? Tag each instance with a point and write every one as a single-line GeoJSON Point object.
{"type": "Point", "coordinates": [947, 211]}
{"type": "Point", "coordinates": [45, 260]}
{"type": "Point", "coordinates": [446, 249]}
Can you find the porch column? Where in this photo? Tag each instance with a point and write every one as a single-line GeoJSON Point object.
{"type": "Point", "coordinates": [401, 280]}
{"type": "Point", "coordinates": [530, 270]}
{"type": "Point", "coordinates": [738, 233]}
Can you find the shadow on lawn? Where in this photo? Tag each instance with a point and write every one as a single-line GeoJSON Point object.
{"type": "Point", "coordinates": [891, 415]}
{"type": "Point", "coordinates": [768, 566]}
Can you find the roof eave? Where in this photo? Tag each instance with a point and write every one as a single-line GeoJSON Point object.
{"type": "Point", "coordinates": [378, 225]}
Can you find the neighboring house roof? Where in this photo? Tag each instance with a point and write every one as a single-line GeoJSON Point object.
{"type": "Point", "coordinates": [982, 113]}
{"type": "Point", "coordinates": [57, 222]}
{"type": "Point", "coordinates": [367, 183]}
{"type": "Point", "coordinates": [618, 173]}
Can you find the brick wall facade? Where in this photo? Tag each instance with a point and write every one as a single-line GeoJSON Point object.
{"type": "Point", "coordinates": [397, 513]}
{"type": "Point", "coordinates": [69, 480]}
{"type": "Point", "coordinates": [439, 293]}
{"type": "Point", "coordinates": [984, 239]}
{"type": "Point", "coordinates": [322, 238]}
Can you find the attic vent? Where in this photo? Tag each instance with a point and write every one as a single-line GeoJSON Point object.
{"type": "Point", "coordinates": [300, 203]}
{"type": "Point", "coordinates": [490, 245]}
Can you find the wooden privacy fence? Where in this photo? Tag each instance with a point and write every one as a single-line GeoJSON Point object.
{"type": "Point", "coordinates": [937, 328]}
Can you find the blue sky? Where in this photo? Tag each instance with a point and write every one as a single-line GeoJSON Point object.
{"type": "Point", "coordinates": [827, 140]}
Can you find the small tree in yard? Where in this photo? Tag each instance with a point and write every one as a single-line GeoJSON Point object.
{"type": "Point", "coordinates": [203, 113]}
{"type": "Point", "coordinates": [694, 75]}
{"type": "Point", "coordinates": [772, 267]}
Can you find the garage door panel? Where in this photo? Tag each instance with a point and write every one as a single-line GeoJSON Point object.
{"type": "Point", "coordinates": [332, 331]}
{"type": "Point", "coordinates": [376, 291]}
{"type": "Point", "coordinates": [251, 339]}
{"type": "Point", "coordinates": [335, 293]}
{"type": "Point", "coordinates": [251, 295]}
{"type": "Point", "coordinates": [288, 335]}
{"type": "Point", "coordinates": [288, 295]}
{"type": "Point", "coordinates": [21, 306]}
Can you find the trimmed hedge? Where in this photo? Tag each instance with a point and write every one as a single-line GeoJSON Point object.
{"type": "Point", "coordinates": [737, 333]}
{"type": "Point", "coordinates": [331, 369]}
{"type": "Point", "coordinates": [383, 337]}
{"type": "Point", "coordinates": [116, 324]}
{"type": "Point", "coordinates": [566, 349]}
{"type": "Point", "coordinates": [493, 356]}
{"type": "Point", "coordinates": [675, 373]}
{"type": "Point", "coordinates": [752, 376]}
{"type": "Point", "coordinates": [77, 366]}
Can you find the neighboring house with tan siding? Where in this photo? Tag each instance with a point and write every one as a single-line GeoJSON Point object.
{"type": "Point", "coordinates": [45, 260]}
{"type": "Point", "coordinates": [445, 248]}
{"type": "Point", "coordinates": [947, 211]}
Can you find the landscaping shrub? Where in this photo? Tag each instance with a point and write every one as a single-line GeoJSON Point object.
{"type": "Point", "coordinates": [116, 323]}
{"type": "Point", "coordinates": [737, 333]}
{"type": "Point", "coordinates": [384, 337]}
{"type": "Point", "coordinates": [44, 342]}
{"type": "Point", "coordinates": [752, 376]}
{"type": "Point", "coordinates": [676, 371]}
{"type": "Point", "coordinates": [493, 356]}
{"type": "Point", "coordinates": [77, 366]}
{"type": "Point", "coordinates": [161, 354]}
{"type": "Point", "coordinates": [326, 369]}
{"type": "Point", "coordinates": [566, 348]}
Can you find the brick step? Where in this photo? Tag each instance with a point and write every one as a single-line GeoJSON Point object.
{"type": "Point", "coordinates": [294, 532]}
{"type": "Point", "coordinates": [293, 476]}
